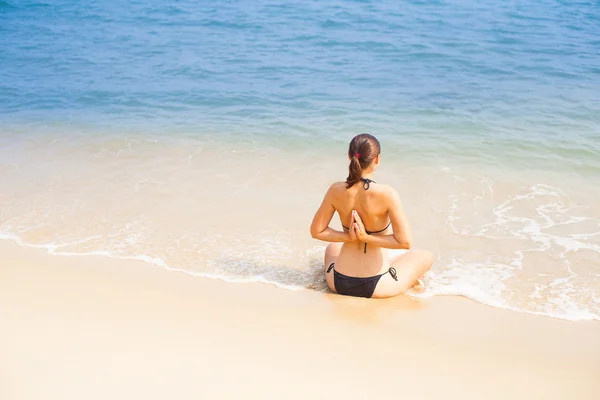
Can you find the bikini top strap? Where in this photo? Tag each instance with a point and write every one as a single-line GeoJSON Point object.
{"type": "Point", "coordinates": [379, 231]}
{"type": "Point", "coordinates": [367, 183]}
{"type": "Point", "coordinates": [370, 232]}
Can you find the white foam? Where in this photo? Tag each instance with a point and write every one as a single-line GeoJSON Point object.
{"type": "Point", "coordinates": [52, 250]}
{"type": "Point", "coordinates": [471, 289]}
{"type": "Point", "coordinates": [460, 277]}
{"type": "Point", "coordinates": [253, 259]}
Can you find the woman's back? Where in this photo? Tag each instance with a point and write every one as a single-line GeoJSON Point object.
{"type": "Point", "coordinates": [357, 263]}
{"type": "Point", "coordinates": [356, 258]}
{"type": "Point", "coordinates": [371, 204]}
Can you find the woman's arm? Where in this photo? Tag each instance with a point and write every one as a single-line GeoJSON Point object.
{"type": "Point", "coordinates": [400, 239]}
{"type": "Point", "coordinates": [319, 229]}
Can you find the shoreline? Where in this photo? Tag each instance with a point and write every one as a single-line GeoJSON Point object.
{"type": "Point", "coordinates": [162, 265]}
{"type": "Point", "coordinates": [526, 242]}
{"type": "Point", "coordinates": [95, 327]}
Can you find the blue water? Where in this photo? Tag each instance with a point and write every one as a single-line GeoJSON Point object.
{"type": "Point", "coordinates": [137, 93]}
{"type": "Point", "coordinates": [456, 70]}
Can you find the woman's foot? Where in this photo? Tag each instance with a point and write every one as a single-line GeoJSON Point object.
{"type": "Point", "coordinates": [419, 286]}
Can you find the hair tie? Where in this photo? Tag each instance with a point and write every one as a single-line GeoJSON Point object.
{"type": "Point", "coordinates": [357, 155]}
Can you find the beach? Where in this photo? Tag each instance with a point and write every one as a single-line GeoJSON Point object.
{"type": "Point", "coordinates": [160, 164]}
{"type": "Point", "coordinates": [92, 327]}
{"type": "Point", "coordinates": [202, 139]}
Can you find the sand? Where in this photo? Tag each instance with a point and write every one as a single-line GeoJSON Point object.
{"type": "Point", "coordinates": [91, 327]}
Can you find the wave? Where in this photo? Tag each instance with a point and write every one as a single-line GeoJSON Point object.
{"type": "Point", "coordinates": [572, 313]}
{"type": "Point", "coordinates": [52, 249]}
{"type": "Point", "coordinates": [569, 311]}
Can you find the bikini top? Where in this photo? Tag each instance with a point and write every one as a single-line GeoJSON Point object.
{"type": "Point", "coordinates": [366, 185]}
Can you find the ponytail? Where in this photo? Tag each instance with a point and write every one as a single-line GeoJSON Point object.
{"type": "Point", "coordinates": [363, 149]}
{"type": "Point", "coordinates": [354, 172]}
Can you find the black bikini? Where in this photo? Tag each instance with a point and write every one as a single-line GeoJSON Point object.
{"type": "Point", "coordinates": [357, 287]}
{"type": "Point", "coordinates": [354, 286]}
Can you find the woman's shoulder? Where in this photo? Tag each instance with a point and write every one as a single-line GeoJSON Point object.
{"type": "Point", "coordinates": [337, 187]}
{"type": "Point", "coordinates": [383, 189]}
{"type": "Point", "coordinates": [380, 190]}
{"type": "Point", "coordinates": [386, 193]}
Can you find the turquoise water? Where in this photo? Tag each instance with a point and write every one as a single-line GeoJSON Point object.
{"type": "Point", "coordinates": [520, 71]}
{"type": "Point", "coordinates": [480, 95]}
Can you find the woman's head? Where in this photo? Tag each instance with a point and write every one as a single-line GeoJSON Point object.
{"type": "Point", "coordinates": [363, 152]}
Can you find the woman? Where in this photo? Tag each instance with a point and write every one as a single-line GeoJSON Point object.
{"type": "Point", "coordinates": [357, 263]}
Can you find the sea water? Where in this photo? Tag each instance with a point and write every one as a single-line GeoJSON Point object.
{"type": "Point", "coordinates": [201, 136]}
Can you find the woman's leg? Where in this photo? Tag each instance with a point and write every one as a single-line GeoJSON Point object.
{"type": "Point", "coordinates": [409, 268]}
{"type": "Point", "coordinates": [331, 254]}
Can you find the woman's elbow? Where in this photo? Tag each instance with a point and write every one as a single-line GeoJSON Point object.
{"type": "Point", "coordinates": [314, 233]}
{"type": "Point", "coordinates": [404, 244]}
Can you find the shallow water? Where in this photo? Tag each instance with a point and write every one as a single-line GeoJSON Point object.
{"type": "Point", "coordinates": [201, 137]}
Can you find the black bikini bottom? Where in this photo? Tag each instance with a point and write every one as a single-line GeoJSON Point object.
{"type": "Point", "coordinates": [357, 287]}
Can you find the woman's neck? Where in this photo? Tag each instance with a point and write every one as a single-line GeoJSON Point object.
{"type": "Point", "coordinates": [367, 175]}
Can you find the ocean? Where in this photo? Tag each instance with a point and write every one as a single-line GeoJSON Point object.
{"type": "Point", "coordinates": [201, 136]}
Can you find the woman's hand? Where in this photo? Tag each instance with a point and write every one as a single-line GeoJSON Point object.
{"type": "Point", "coordinates": [358, 228]}
{"type": "Point", "coordinates": [351, 231]}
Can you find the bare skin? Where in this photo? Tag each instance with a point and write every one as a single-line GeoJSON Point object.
{"type": "Point", "coordinates": [373, 208]}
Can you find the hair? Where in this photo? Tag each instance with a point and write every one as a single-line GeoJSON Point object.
{"type": "Point", "coordinates": [362, 151]}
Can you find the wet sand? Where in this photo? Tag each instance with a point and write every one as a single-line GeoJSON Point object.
{"type": "Point", "coordinates": [523, 239]}
{"type": "Point", "coordinates": [92, 327]}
